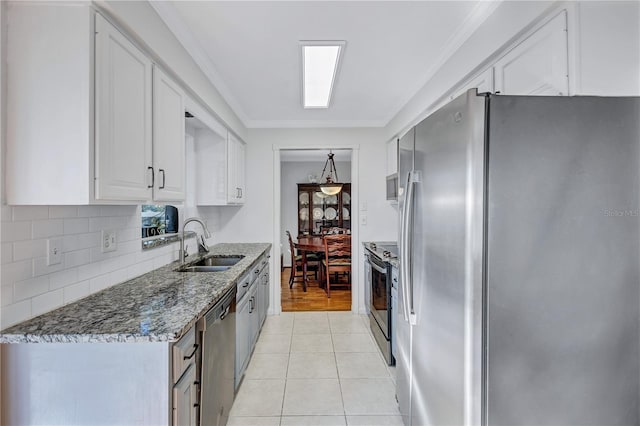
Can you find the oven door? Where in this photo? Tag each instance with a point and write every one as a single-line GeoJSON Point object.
{"type": "Point", "coordinates": [380, 293]}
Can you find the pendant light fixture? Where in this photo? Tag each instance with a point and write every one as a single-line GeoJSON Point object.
{"type": "Point", "coordinates": [331, 186]}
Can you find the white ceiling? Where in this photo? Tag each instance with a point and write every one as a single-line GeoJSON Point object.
{"type": "Point", "coordinates": [250, 51]}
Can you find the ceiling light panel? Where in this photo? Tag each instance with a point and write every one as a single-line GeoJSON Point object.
{"type": "Point", "coordinates": [320, 62]}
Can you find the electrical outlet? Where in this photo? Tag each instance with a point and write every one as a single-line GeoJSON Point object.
{"type": "Point", "coordinates": [54, 251]}
{"type": "Point", "coordinates": [109, 242]}
{"type": "Point", "coordinates": [363, 220]}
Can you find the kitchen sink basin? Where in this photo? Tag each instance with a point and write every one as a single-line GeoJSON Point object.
{"type": "Point", "coordinates": [218, 261]}
{"type": "Point", "coordinates": [204, 268]}
{"type": "Point", "coordinates": [212, 264]}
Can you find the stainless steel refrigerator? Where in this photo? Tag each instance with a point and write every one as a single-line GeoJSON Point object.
{"type": "Point", "coordinates": [519, 251]}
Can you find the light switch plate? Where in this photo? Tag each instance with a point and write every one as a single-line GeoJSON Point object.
{"type": "Point", "coordinates": [54, 251]}
{"type": "Point", "coordinates": [109, 242]}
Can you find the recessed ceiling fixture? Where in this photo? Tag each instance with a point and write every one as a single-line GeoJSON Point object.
{"type": "Point", "coordinates": [320, 61]}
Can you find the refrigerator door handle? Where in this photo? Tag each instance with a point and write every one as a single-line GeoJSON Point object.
{"type": "Point", "coordinates": [407, 246]}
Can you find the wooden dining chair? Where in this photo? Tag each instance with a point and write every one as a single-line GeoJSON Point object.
{"type": "Point", "coordinates": [337, 259]}
{"type": "Point", "coordinates": [313, 262]}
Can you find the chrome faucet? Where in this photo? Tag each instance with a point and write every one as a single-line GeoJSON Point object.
{"type": "Point", "coordinates": [207, 234]}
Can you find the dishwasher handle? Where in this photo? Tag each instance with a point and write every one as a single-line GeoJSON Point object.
{"type": "Point", "coordinates": [224, 314]}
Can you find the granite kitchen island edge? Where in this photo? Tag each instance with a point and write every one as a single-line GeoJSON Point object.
{"type": "Point", "coordinates": [159, 306]}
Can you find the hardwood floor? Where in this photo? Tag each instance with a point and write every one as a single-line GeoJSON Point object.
{"type": "Point", "coordinates": [315, 298]}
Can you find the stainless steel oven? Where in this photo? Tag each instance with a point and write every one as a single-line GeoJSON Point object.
{"type": "Point", "coordinates": [379, 273]}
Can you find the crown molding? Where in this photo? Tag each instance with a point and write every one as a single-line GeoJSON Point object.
{"type": "Point", "coordinates": [472, 22]}
{"type": "Point", "coordinates": [171, 18]}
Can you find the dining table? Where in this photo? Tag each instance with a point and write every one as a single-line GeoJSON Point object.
{"type": "Point", "coordinates": [304, 244]}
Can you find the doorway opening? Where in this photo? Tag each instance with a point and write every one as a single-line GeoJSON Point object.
{"type": "Point", "coordinates": [308, 214]}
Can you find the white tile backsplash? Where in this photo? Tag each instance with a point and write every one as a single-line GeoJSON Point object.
{"type": "Point", "coordinates": [76, 226]}
{"type": "Point", "coordinates": [30, 213]}
{"type": "Point", "coordinates": [76, 291]}
{"type": "Point", "coordinates": [28, 249]}
{"type": "Point", "coordinates": [63, 278]}
{"type": "Point", "coordinates": [46, 302]}
{"type": "Point", "coordinates": [30, 287]}
{"type": "Point", "coordinates": [16, 231]}
{"type": "Point", "coordinates": [47, 228]}
{"type": "Point", "coordinates": [59, 212]}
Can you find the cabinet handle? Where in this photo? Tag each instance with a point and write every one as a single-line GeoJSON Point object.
{"type": "Point", "coordinates": [240, 192]}
{"type": "Point", "coordinates": [195, 349]}
{"type": "Point", "coordinates": [197, 382]}
{"type": "Point", "coordinates": [153, 177]}
{"type": "Point", "coordinates": [251, 305]}
{"type": "Point", "coordinates": [196, 405]}
{"type": "Point", "coordinates": [163, 178]}
{"type": "Point", "coordinates": [246, 285]}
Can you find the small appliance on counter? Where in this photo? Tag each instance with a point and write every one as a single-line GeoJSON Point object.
{"type": "Point", "coordinates": [381, 258]}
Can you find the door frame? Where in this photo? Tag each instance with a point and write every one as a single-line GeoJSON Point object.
{"type": "Point", "coordinates": [357, 289]}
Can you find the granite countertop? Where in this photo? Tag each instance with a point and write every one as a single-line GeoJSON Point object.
{"type": "Point", "coordinates": [393, 261]}
{"type": "Point", "coordinates": [158, 306]}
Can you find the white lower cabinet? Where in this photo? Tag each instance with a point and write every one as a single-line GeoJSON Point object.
{"type": "Point", "coordinates": [185, 399]}
{"type": "Point", "coordinates": [243, 337]}
{"type": "Point", "coordinates": [250, 314]}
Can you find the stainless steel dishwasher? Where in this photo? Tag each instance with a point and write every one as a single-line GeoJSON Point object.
{"type": "Point", "coordinates": [218, 361]}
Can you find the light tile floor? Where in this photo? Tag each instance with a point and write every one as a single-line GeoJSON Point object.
{"type": "Point", "coordinates": [316, 368]}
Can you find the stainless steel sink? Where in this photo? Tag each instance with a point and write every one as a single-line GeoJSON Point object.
{"type": "Point", "coordinates": [204, 268]}
{"type": "Point", "coordinates": [212, 264]}
{"type": "Point", "coordinates": [218, 261]}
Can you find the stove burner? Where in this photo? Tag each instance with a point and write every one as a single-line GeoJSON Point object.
{"type": "Point", "coordinates": [386, 253]}
{"type": "Point", "coordinates": [373, 246]}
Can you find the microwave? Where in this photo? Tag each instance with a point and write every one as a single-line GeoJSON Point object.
{"type": "Point", "coordinates": [392, 187]}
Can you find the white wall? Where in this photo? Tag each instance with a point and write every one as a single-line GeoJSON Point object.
{"type": "Point", "coordinates": [256, 220]}
{"type": "Point", "coordinates": [606, 52]}
{"type": "Point", "coordinates": [292, 173]}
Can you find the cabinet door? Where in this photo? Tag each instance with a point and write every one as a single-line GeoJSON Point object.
{"type": "Point", "coordinates": [235, 171]}
{"type": "Point", "coordinates": [254, 316]}
{"type": "Point", "coordinates": [240, 170]}
{"type": "Point", "coordinates": [243, 339]}
{"type": "Point", "coordinates": [264, 295]}
{"type": "Point", "coordinates": [122, 117]}
{"type": "Point", "coordinates": [168, 138]}
{"type": "Point", "coordinates": [185, 403]}
{"type": "Point", "coordinates": [538, 65]}
{"type": "Point", "coordinates": [392, 156]}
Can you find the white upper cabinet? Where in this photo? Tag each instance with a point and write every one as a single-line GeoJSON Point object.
{"type": "Point", "coordinates": [123, 141]}
{"type": "Point", "coordinates": [392, 156]}
{"type": "Point", "coordinates": [538, 65]}
{"type": "Point", "coordinates": [236, 170]}
{"type": "Point", "coordinates": [168, 138]}
{"type": "Point", "coordinates": [87, 122]}
{"type": "Point", "coordinates": [49, 103]}
{"type": "Point", "coordinates": [219, 159]}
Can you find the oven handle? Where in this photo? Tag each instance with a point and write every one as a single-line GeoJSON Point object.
{"type": "Point", "coordinates": [376, 267]}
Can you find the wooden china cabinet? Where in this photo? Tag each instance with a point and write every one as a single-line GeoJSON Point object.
{"type": "Point", "coordinates": [317, 210]}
